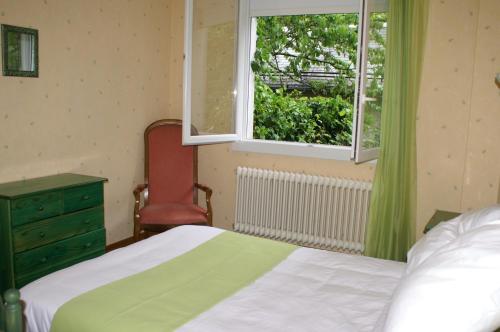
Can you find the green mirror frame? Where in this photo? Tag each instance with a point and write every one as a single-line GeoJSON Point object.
{"type": "Point", "coordinates": [9, 68]}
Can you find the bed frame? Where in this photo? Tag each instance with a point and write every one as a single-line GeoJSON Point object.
{"type": "Point", "coordinates": [11, 317]}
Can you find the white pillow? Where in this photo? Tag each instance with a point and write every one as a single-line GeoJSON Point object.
{"type": "Point", "coordinates": [478, 218]}
{"type": "Point", "coordinates": [457, 288]}
{"type": "Point", "coordinates": [446, 232]}
{"type": "Point", "coordinates": [436, 238]}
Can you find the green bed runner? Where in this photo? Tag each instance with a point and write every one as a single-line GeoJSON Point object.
{"type": "Point", "coordinates": [173, 293]}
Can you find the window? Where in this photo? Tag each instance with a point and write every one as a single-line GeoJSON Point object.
{"type": "Point", "coordinates": [290, 77]}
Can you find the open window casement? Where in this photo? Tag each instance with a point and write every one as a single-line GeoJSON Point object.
{"type": "Point", "coordinates": [210, 66]}
{"type": "Point", "coordinates": [218, 88]}
{"type": "Point", "coordinates": [370, 80]}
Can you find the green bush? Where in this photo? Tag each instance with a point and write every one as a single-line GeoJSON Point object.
{"type": "Point", "coordinates": [288, 116]}
{"type": "Point", "coordinates": [307, 41]}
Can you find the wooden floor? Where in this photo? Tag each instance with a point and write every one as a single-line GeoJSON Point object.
{"type": "Point", "coordinates": [120, 244]}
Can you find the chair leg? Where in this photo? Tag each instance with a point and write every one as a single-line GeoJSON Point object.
{"type": "Point", "coordinates": [137, 229]}
{"type": "Point", "coordinates": [136, 235]}
{"type": "Point", "coordinates": [137, 216]}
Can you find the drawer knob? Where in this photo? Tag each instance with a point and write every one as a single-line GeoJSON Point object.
{"type": "Point", "coordinates": [85, 197]}
{"type": "Point", "coordinates": [87, 222]}
{"type": "Point", "coordinates": [41, 208]}
{"type": "Point", "coordinates": [43, 260]}
{"type": "Point", "coordinates": [88, 245]}
{"type": "Point", "coordinates": [41, 234]}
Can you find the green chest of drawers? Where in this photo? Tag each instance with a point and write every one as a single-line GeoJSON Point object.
{"type": "Point", "coordinates": [47, 224]}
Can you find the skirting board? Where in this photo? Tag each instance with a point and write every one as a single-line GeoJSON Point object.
{"type": "Point", "coordinates": [120, 244]}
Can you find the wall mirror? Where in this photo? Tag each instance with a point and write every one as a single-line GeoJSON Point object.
{"type": "Point", "coordinates": [19, 51]}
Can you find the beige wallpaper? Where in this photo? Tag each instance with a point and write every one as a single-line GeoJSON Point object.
{"type": "Point", "coordinates": [103, 77]}
{"type": "Point", "coordinates": [459, 115]}
{"type": "Point", "coordinates": [108, 68]}
{"type": "Point", "coordinates": [458, 127]}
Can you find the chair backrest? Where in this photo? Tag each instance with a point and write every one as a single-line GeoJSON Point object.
{"type": "Point", "coordinates": [171, 168]}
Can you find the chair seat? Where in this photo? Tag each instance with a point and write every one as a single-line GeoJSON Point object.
{"type": "Point", "coordinates": [172, 214]}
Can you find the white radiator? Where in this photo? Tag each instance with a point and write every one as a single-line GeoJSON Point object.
{"type": "Point", "coordinates": [315, 211]}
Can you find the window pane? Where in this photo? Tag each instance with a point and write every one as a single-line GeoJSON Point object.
{"type": "Point", "coordinates": [14, 50]}
{"type": "Point", "coordinates": [304, 70]}
{"type": "Point", "coordinates": [213, 66]}
{"type": "Point", "coordinates": [374, 81]}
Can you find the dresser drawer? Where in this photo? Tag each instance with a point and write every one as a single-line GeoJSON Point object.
{"type": "Point", "coordinates": [51, 230]}
{"type": "Point", "coordinates": [27, 278]}
{"type": "Point", "coordinates": [47, 224]}
{"type": "Point", "coordinates": [58, 253]}
{"type": "Point", "coordinates": [36, 207]}
{"type": "Point", "coordinates": [83, 197]}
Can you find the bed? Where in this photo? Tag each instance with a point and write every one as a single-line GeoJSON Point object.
{"type": "Point", "coordinates": [309, 289]}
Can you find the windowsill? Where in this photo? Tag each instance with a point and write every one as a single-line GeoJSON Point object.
{"type": "Point", "coordinates": [294, 149]}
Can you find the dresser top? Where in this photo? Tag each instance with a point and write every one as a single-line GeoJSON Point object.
{"type": "Point", "coordinates": [21, 188]}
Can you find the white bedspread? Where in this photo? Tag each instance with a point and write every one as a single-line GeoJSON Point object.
{"type": "Point", "coordinates": [312, 290]}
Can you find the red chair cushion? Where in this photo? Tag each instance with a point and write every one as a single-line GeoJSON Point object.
{"type": "Point", "coordinates": [172, 214]}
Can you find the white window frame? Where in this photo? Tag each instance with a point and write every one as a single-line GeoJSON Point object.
{"type": "Point", "coordinates": [243, 140]}
{"type": "Point", "coordinates": [187, 137]}
{"type": "Point", "coordinates": [358, 154]}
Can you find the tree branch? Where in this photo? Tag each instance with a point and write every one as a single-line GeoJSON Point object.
{"type": "Point", "coordinates": [333, 64]}
{"type": "Point", "coordinates": [293, 78]}
{"type": "Point", "coordinates": [277, 66]}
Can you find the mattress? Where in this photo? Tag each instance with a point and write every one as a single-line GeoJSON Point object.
{"type": "Point", "coordinates": [311, 290]}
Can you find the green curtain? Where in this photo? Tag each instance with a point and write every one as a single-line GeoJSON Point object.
{"type": "Point", "coordinates": [391, 227]}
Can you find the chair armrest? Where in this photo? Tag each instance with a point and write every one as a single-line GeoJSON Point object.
{"type": "Point", "coordinates": [137, 195]}
{"type": "Point", "coordinates": [208, 193]}
{"type": "Point", "coordinates": [137, 205]}
{"type": "Point", "coordinates": [139, 189]}
{"type": "Point", "coordinates": [203, 188]}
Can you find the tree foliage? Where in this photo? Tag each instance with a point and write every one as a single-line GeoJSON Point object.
{"type": "Point", "coordinates": [290, 117]}
{"type": "Point", "coordinates": [288, 49]}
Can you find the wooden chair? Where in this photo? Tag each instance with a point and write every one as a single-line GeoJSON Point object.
{"type": "Point", "coordinates": [171, 183]}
